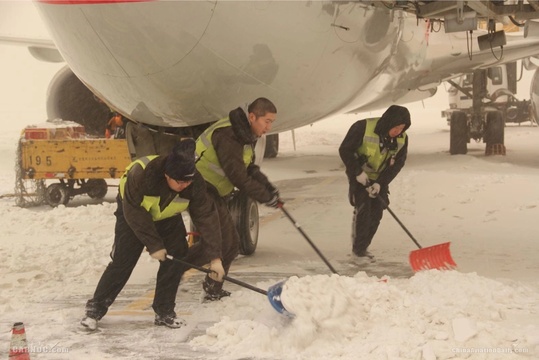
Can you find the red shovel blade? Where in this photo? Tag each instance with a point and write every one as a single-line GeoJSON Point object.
{"type": "Point", "coordinates": [432, 257]}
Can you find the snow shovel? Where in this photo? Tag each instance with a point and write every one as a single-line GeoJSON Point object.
{"type": "Point", "coordinates": [432, 257]}
{"type": "Point", "coordinates": [273, 293]}
{"type": "Point", "coordinates": [281, 206]}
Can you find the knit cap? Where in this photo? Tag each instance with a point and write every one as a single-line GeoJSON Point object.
{"type": "Point", "coordinates": [180, 163]}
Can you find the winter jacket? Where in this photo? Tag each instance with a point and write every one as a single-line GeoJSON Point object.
{"type": "Point", "coordinates": [228, 143]}
{"type": "Point", "coordinates": [377, 158]}
{"type": "Point", "coordinates": [209, 165]}
{"type": "Point", "coordinates": [150, 182]}
{"type": "Point", "coordinates": [152, 204]}
{"type": "Point", "coordinates": [353, 141]}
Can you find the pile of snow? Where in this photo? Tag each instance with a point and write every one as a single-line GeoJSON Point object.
{"type": "Point", "coordinates": [426, 316]}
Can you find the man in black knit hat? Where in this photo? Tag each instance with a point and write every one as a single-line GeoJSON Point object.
{"type": "Point", "coordinates": [373, 152]}
{"type": "Point", "coordinates": [153, 193]}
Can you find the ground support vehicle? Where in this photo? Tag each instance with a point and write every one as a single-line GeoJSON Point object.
{"type": "Point", "coordinates": [63, 168]}
{"type": "Point", "coordinates": [480, 104]}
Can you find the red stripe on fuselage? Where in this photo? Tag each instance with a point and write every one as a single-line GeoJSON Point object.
{"type": "Point", "coordinates": [87, 2]}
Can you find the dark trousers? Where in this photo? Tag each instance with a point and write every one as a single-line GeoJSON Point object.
{"type": "Point", "coordinates": [230, 240]}
{"type": "Point", "coordinates": [125, 253]}
{"type": "Point", "coordinates": [367, 215]}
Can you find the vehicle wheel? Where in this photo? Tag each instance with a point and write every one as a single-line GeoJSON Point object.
{"type": "Point", "coordinates": [96, 188]}
{"type": "Point", "coordinates": [458, 133]}
{"type": "Point", "coordinates": [272, 146]}
{"type": "Point", "coordinates": [244, 211]}
{"type": "Point", "coordinates": [56, 194]}
{"type": "Point", "coordinates": [494, 131]}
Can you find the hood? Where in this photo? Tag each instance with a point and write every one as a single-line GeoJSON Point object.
{"type": "Point", "coordinates": [395, 115]}
{"type": "Point", "coordinates": [241, 126]}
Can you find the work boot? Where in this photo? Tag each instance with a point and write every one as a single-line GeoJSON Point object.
{"type": "Point", "coordinates": [364, 253]}
{"type": "Point", "coordinates": [217, 296]}
{"type": "Point", "coordinates": [89, 323]}
{"type": "Point", "coordinates": [170, 321]}
{"type": "Point", "coordinates": [213, 290]}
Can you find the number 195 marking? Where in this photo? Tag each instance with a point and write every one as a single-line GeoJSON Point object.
{"type": "Point", "coordinates": [37, 160]}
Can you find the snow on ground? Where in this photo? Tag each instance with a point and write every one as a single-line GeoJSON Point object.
{"type": "Point", "coordinates": [486, 207]}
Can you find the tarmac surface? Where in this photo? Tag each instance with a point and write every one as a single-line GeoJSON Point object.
{"type": "Point", "coordinates": [282, 252]}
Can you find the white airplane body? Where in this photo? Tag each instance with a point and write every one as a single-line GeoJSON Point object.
{"type": "Point", "coordinates": [186, 63]}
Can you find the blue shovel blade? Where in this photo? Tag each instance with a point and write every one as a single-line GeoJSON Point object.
{"type": "Point", "coordinates": [274, 296]}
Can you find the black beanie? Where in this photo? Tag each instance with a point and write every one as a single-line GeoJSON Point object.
{"type": "Point", "coordinates": [180, 163]}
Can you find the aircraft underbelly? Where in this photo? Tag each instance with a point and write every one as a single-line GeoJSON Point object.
{"type": "Point", "coordinates": [172, 63]}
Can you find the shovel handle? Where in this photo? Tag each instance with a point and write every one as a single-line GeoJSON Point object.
{"type": "Point", "coordinates": [308, 239]}
{"type": "Point", "coordinates": [227, 278]}
{"type": "Point", "coordinates": [400, 223]}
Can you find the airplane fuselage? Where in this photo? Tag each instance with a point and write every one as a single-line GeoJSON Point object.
{"type": "Point", "coordinates": [183, 63]}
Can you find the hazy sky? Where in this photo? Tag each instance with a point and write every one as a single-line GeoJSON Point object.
{"type": "Point", "coordinates": [24, 80]}
{"type": "Point", "coordinates": [19, 17]}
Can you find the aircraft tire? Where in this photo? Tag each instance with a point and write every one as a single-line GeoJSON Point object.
{"type": "Point", "coordinates": [458, 133]}
{"type": "Point", "coordinates": [244, 211]}
{"type": "Point", "coordinates": [494, 130]}
{"type": "Point", "coordinates": [272, 146]}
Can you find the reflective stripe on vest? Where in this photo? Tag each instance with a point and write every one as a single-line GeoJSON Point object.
{"type": "Point", "coordinates": [151, 203]}
{"type": "Point", "coordinates": [377, 160]}
{"type": "Point", "coordinates": [208, 164]}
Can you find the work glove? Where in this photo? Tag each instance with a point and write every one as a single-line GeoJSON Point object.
{"type": "Point", "coordinates": [275, 201]}
{"type": "Point", "coordinates": [159, 255]}
{"type": "Point", "coordinates": [362, 178]}
{"type": "Point", "coordinates": [217, 270]}
{"type": "Point", "coordinates": [374, 190]}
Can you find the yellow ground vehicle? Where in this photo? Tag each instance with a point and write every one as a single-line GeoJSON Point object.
{"type": "Point", "coordinates": [80, 165]}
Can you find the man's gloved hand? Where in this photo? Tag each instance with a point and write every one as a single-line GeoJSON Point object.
{"type": "Point", "coordinates": [374, 190]}
{"type": "Point", "coordinates": [159, 255]}
{"type": "Point", "coordinates": [275, 201]}
{"type": "Point", "coordinates": [362, 178]}
{"type": "Point", "coordinates": [218, 272]}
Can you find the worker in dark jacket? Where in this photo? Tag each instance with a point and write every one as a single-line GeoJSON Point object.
{"type": "Point", "coordinates": [153, 193]}
{"type": "Point", "coordinates": [226, 161]}
{"type": "Point", "coordinates": [374, 152]}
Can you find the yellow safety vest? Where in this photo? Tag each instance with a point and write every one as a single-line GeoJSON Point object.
{"type": "Point", "coordinates": [208, 164]}
{"type": "Point", "coordinates": [151, 203]}
{"type": "Point", "coordinates": [377, 160]}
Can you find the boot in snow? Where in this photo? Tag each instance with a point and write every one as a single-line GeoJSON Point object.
{"type": "Point", "coordinates": [170, 321]}
{"type": "Point", "coordinates": [89, 323]}
{"type": "Point", "coordinates": [213, 290]}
